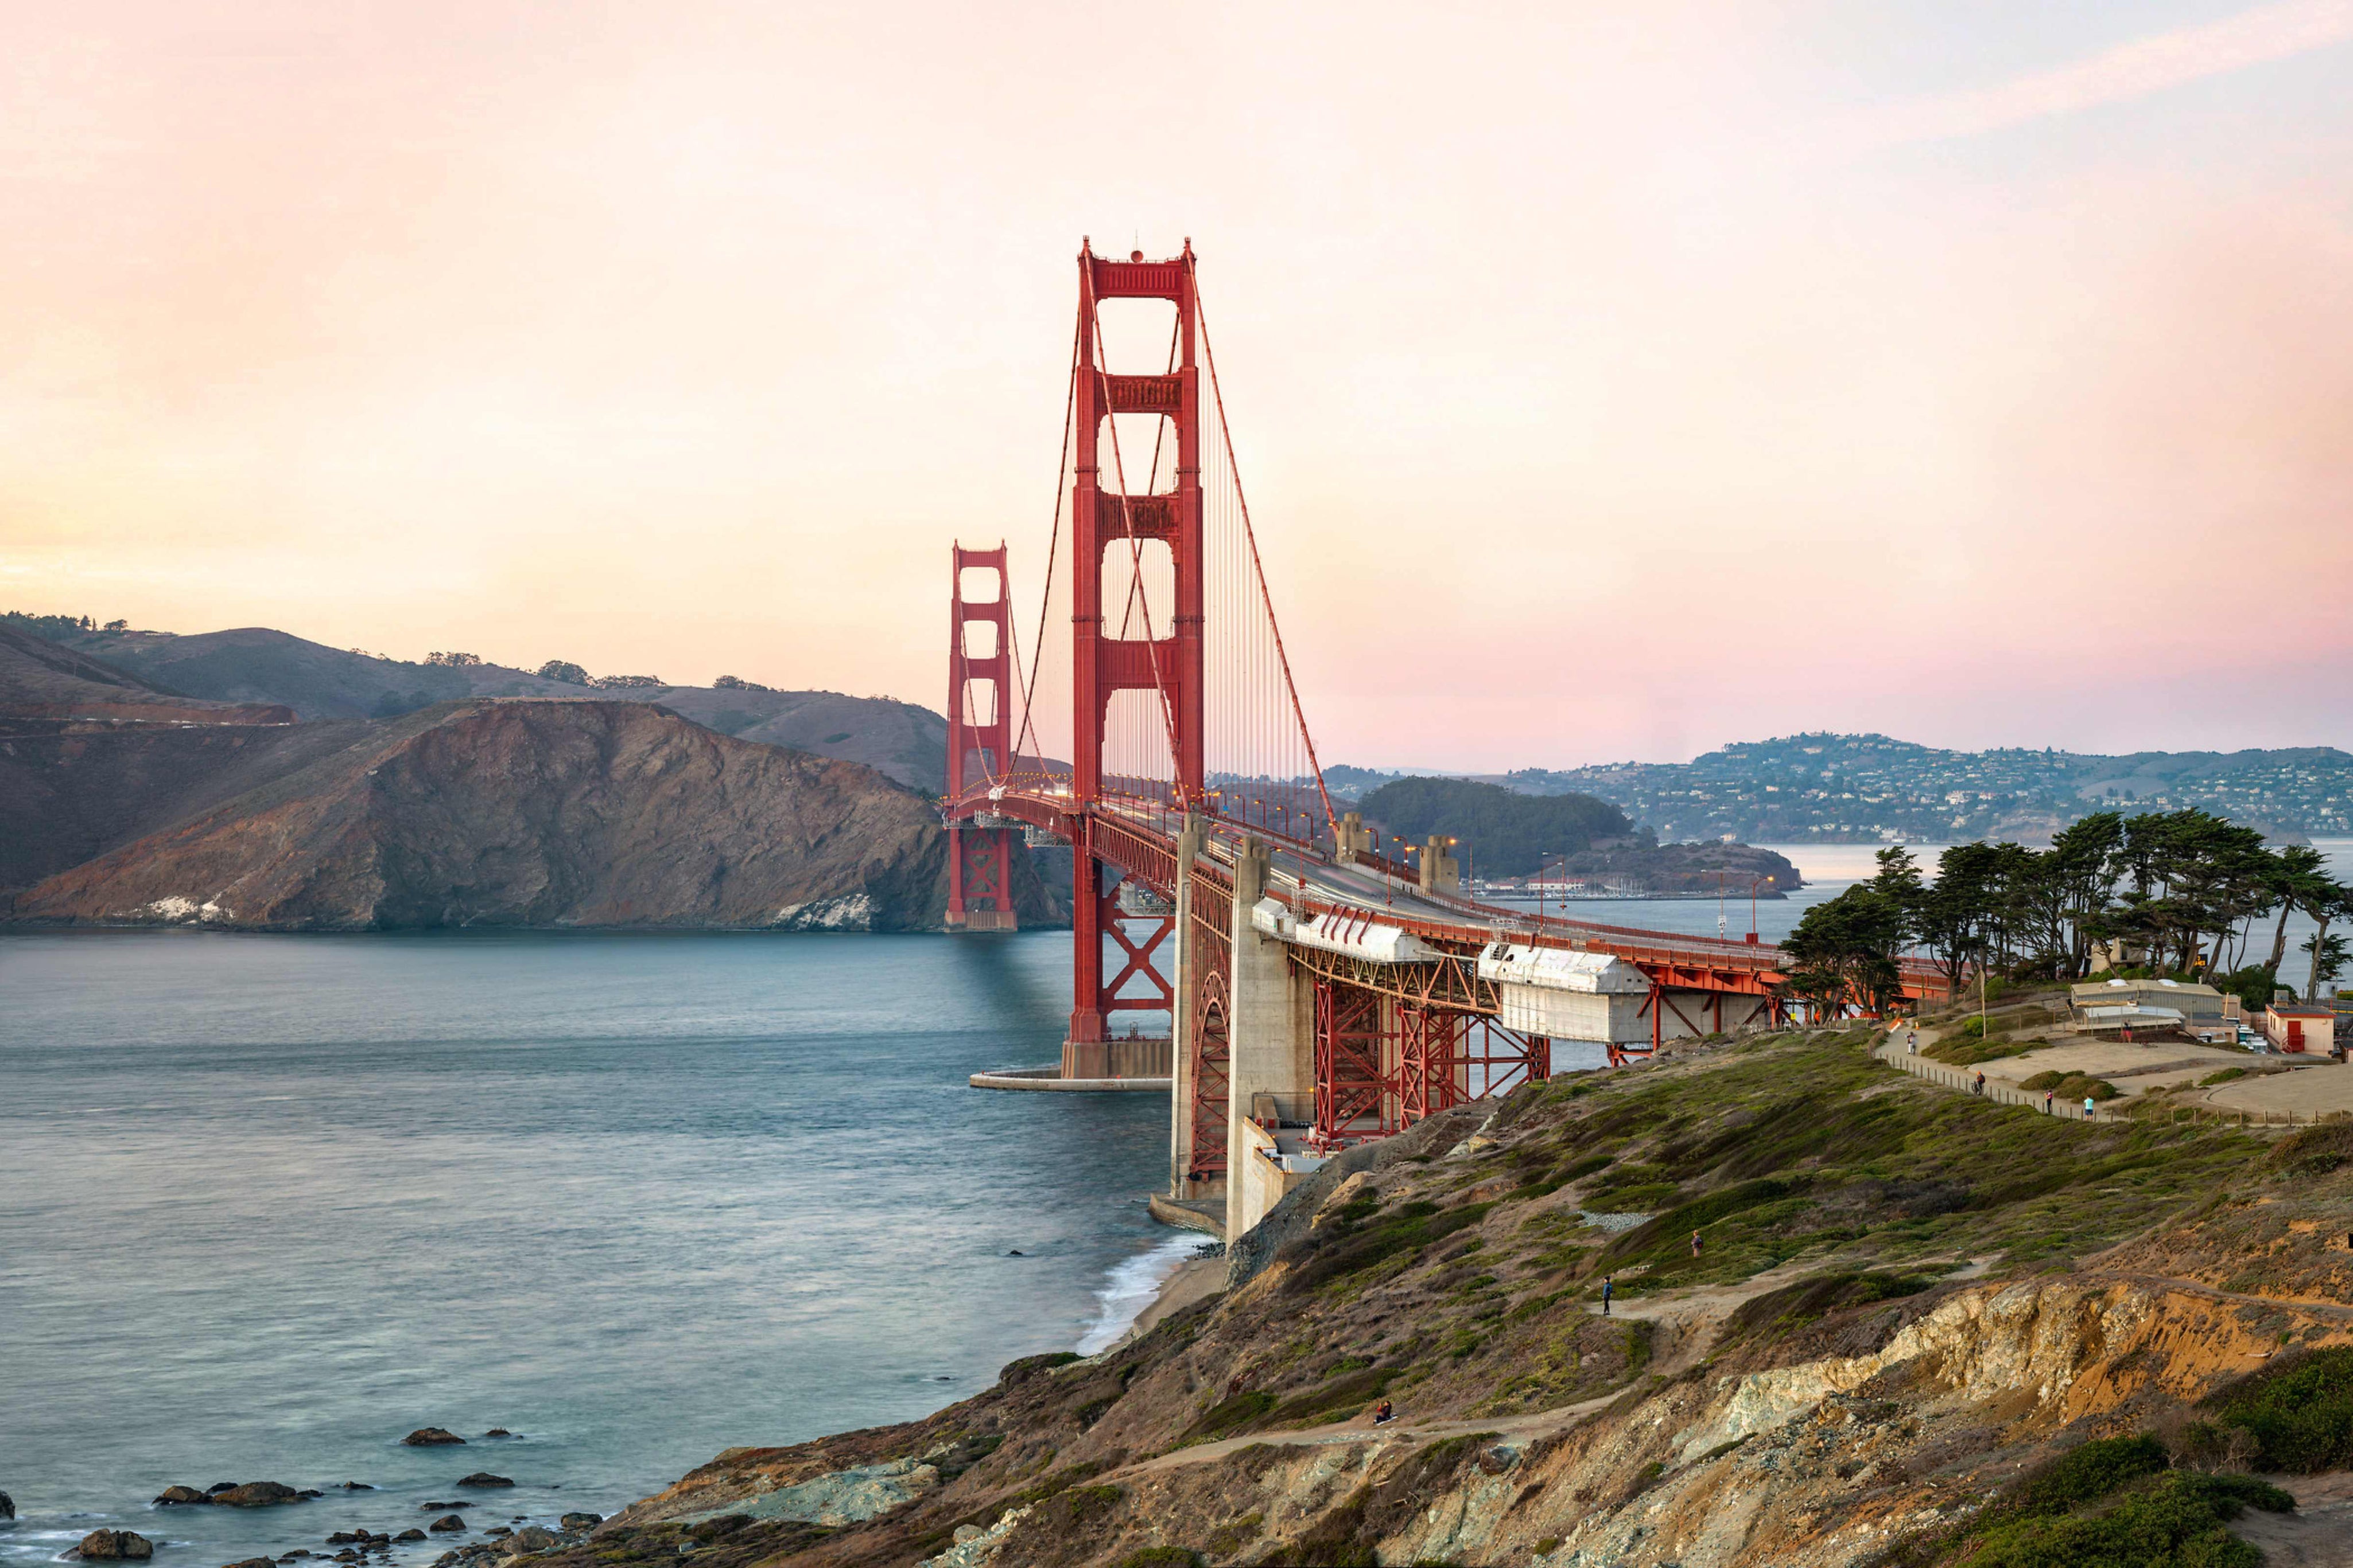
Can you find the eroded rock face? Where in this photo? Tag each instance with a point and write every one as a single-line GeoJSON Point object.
{"type": "Point", "coordinates": [116, 1545]}
{"type": "Point", "coordinates": [540, 814]}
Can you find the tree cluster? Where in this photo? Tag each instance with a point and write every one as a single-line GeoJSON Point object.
{"type": "Point", "coordinates": [453, 661]}
{"type": "Point", "coordinates": [2179, 892]}
{"type": "Point", "coordinates": [59, 629]}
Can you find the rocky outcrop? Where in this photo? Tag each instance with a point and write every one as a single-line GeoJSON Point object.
{"type": "Point", "coordinates": [538, 814]}
{"type": "Point", "coordinates": [259, 1494]}
{"type": "Point", "coordinates": [484, 1479]}
{"type": "Point", "coordinates": [430, 1436]}
{"type": "Point", "coordinates": [115, 1546]}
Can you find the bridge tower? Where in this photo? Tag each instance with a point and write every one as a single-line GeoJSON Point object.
{"type": "Point", "coordinates": [980, 747]}
{"type": "Point", "coordinates": [1121, 652]}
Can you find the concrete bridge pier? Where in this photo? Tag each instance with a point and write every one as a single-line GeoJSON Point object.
{"type": "Point", "coordinates": [1271, 1044]}
{"type": "Point", "coordinates": [1184, 1018]}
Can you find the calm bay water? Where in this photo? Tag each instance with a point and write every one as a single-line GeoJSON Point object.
{"type": "Point", "coordinates": [266, 1204]}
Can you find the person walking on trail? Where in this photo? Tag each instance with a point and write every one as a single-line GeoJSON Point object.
{"type": "Point", "coordinates": [1912, 1042]}
{"type": "Point", "coordinates": [1608, 1290]}
{"type": "Point", "coordinates": [2087, 1107]}
{"type": "Point", "coordinates": [1695, 1244]}
{"type": "Point", "coordinates": [2046, 1100]}
{"type": "Point", "coordinates": [1980, 1089]}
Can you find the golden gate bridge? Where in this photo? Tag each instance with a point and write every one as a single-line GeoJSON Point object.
{"type": "Point", "coordinates": [1323, 988]}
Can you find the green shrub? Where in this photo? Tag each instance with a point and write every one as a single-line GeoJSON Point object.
{"type": "Point", "coordinates": [1161, 1557]}
{"type": "Point", "coordinates": [2070, 1084]}
{"type": "Point", "coordinates": [1030, 1365]}
{"type": "Point", "coordinates": [2299, 1410]}
{"type": "Point", "coordinates": [1335, 1399]}
{"type": "Point", "coordinates": [1666, 1232]}
{"type": "Point", "coordinates": [1230, 1415]}
{"type": "Point", "coordinates": [1350, 1248]}
{"type": "Point", "coordinates": [2315, 1151]}
{"type": "Point", "coordinates": [2172, 1521]}
{"type": "Point", "coordinates": [2090, 1472]}
{"type": "Point", "coordinates": [1648, 1198]}
{"type": "Point", "coordinates": [1794, 1306]}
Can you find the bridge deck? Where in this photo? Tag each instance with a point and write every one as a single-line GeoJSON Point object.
{"type": "Point", "coordinates": [1139, 835]}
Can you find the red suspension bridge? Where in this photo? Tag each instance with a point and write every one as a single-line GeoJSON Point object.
{"type": "Point", "coordinates": [1320, 992]}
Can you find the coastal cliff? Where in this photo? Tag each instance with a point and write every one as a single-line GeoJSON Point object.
{"type": "Point", "coordinates": [530, 813]}
{"type": "Point", "coordinates": [1918, 1328]}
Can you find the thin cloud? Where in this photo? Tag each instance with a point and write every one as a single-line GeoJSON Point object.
{"type": "Point", "coordinates": [2128, 71]}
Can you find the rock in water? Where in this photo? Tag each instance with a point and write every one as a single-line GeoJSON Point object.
{"type": "Point", "coordinates": [410, 1534]}
{"type": "Point", "coordinates": [484, 1479]}
{"type": "Point", "coordinates": [498, 1432]}
{"type": "Point", "coordinates": [116, 1545]}
{"type": "Point", "coordinates": [254, 1562]}
{"type": "Point", "coordinates": [7, 1506]}
{"type": "Point", "coordinates": [173, 1496]}
{"type": "Point", "coordinates": [447, 1521]}
{"type": "Point", "coordinates": [256, 1494]}
{"type": "Point", "coordinates": [430, 1436]}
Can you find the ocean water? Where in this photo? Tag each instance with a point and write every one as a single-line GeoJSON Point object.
{"type": "Point", "coordinates": [268, 1203]}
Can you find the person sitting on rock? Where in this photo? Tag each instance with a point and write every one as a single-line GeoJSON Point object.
{"type": "Point", "coordinates": [1384, 1413]}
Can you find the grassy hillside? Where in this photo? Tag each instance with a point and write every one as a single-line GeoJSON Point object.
{"type": "Point", "coordinates": [1904, 1316]}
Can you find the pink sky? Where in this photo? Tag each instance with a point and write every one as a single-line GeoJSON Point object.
{"type": "Point", "coordinates": [1671, 374]}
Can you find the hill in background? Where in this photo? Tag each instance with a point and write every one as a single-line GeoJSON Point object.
{"type": "Point", "coordinates": [257, 665]}
{"type": "Point", "coordinates": [1864, 789]}
{"type": "Point", "coordinates": [1507, 834]}
{"type": "Point", "coordinates": [310, 795]}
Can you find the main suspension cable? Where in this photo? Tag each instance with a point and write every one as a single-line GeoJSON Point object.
{"type": "Point", "coordinates": [1249, 536]}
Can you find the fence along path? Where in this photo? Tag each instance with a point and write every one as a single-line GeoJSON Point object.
{"type": "Point", "coordinates": [1891, 1052]}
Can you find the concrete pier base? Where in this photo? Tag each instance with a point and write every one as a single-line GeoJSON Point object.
{"type": "Point", "coordinates": [1207, 1215]}
{"type": "Point", "coordinates": [1052, 1078]}
{"type": "Point", "coordinates": [1137, 1057]}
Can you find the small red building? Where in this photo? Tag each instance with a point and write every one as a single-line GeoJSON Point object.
{"type": "Point", "coordinates": [2296, 1029]}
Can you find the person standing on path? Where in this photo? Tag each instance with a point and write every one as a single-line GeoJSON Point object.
{"type": "Point", "coordinates": [1607, 1289]}
{"type": "Point", "coordinates": [1980, 1090]}
{"type": "Point", "coordinates": [1912, 1042]}
{"type": "Point", "coordinates": [2046, 1100]}
{"type": "Point", "coordinates": [1695, 1244]}
{"type": "Point", "coordinates": [2087, 1107]}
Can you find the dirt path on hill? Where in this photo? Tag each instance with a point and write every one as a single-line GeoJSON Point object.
{"type": "Point", "coordinates": [1692, 1320]}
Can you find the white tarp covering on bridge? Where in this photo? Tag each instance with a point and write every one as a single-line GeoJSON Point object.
{"type": "Point", "coordinates": [1566, 995]}
{"type": "Point", "coordinates": [1357, 935]}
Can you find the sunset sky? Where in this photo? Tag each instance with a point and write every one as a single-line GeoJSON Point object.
{"type": "Point", "coordinates": [1610, 381]}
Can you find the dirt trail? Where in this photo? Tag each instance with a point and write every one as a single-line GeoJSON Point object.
{"type": "Point", "coordinates": [1690, 1319]}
